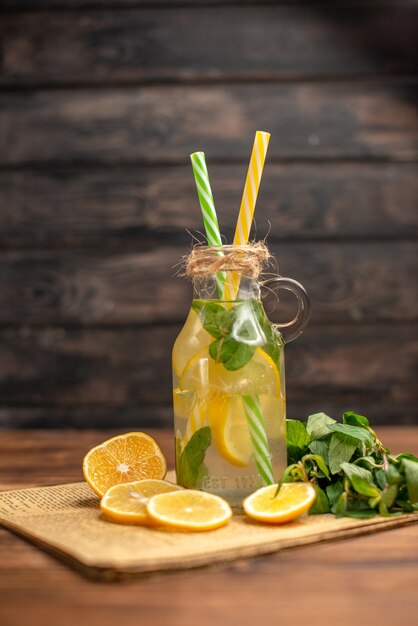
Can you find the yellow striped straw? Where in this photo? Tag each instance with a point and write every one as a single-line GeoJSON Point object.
{"type": "Point", "coordinates": [248, 202]}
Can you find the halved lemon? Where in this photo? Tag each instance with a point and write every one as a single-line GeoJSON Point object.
{"type": "Point", "coordinates": [189, 510]}
{"type": "Point", "coordinates": [259, 376]}
{"type": "Point", "coordinates": [127, 503]}
{"type": "Point", "coordinates": [230, 431]}
{"type": "Point", "coordinates": [292, 500]}
{"type": "Point", "coordinates": [123, 459]}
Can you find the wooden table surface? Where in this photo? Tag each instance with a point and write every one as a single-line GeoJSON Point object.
{"type": "Point", "coordinates": [367, 580]}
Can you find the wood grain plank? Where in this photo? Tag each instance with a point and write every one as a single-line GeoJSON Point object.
{"type": "Point", "coordinates": [180, 44]}
{"type": "Point", "coordinates": [56, 208]}
{"type": "Point", "coordinates": [165, 124]}
{"type": "Point", "coordinates": [37, 455]}
{"type": "Point", "coordinates": [131, 368]}
{"type": "Point", "coordinates": [347, 282]}
{"type": "Point", "coordinates": [344, 569]}
{"type": "Point", "coordinates": [125, 418]}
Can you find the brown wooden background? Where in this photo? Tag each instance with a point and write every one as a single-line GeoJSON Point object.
{"type": "Point", "coordinates": [101, 103]}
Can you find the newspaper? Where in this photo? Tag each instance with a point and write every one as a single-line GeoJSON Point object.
{"type": "Point", "coordinates": [67, 521]}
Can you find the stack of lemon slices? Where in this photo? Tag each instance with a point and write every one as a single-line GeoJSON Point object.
{"type": "Point", "coordinates": [128, 473]}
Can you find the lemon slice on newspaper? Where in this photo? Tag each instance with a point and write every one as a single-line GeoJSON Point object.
{"type": "Point", "coordinates": [292, 500]}
{"type": "Point", "coordinates": [126, 503]}
{"type": "Point", "coordinates": [189, 509]}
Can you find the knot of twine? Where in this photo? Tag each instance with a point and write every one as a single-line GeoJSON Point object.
{"type": "Point", "coordinates": [247, 259]}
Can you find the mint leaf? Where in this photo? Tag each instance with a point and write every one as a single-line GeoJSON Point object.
{"type": "Point", "coordinates": [231, 353]}
{"type": "Point", "coordinates": [202, 474]}
{"type": "Point", "coordinates": [216, 320]}
{"type": "Point", "coordinates": [317, 425]}
{"type": "Point", "coordinates": [361, 479]}
{"type": "Point", "coordinates": [340, 508]}
{"type": "Point", "coordinates": [297, 440]}
{"type": "Point", "coordinates": [354, 419]}
{"type": "Point", "coordinates": [411, 476]}
{"type": "Point", "coordinates": [334, 490]}
{"type": "Point", "coordinates": [357, 504]}
{"type": "Point", "coordinates": [191, 459]}
{"type": "Point", "coordinates": [393, 475]}
{"type": "Point", "coordinates": [341, 449]}
{"type": "Point", "coordinates": [321, 448]}
{"type": "Point", "coordinates": [389, 495]}
{"type": "Point", "coordinates": [405, 505]}
{"type": "Point", "coordinates": [321, 504]}
{"type": "Point", "coordinates": [407, 455]}
{"type": "Point", "coordinates": [381, 478]}
{"type": "Point", "coordinates": [355, 432]}
{"type": "Point", "coordinates": [317, 458]}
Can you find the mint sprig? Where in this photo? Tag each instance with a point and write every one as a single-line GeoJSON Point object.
{"type": "Point", "coordinates": [353, 473]}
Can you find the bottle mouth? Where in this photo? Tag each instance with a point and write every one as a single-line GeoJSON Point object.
{"type": "Point", "coordinates": [248, 259]}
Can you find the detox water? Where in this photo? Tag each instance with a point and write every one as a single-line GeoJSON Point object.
{"type": "Point", "coordinates": [229, 399]}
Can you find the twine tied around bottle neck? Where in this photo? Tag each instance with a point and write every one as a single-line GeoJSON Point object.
{"type": "Point", "coordinates": [249, 260]}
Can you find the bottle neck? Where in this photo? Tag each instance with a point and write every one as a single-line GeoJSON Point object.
{"type": "Point", "coordinates": [210, 287]}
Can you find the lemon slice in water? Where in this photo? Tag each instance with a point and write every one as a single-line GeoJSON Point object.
{"type": "Point", "coordinates": [191, 340]}
{"type": "Point", "coordinates": [230, 432]}
{"type": "Point", "coordinates": [259, 376]}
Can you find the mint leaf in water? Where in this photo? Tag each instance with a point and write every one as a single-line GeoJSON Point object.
{"type": "Point", "coordinates": [237, 332]}
{"type": "Point", "coordinates": [317, 425]}
{"type": "Point", "coordinates": [216, 320]}
{"type": "Point", "coordinates": [190, 461]}
{"type": "Point", "coordinates": [231, 353]}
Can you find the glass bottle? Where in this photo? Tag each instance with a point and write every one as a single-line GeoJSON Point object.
{"type": "Point", "coordinates": [229, 391]}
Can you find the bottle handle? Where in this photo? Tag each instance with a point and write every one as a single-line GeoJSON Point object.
{"type": "Point", "coordinates": [293, 328]}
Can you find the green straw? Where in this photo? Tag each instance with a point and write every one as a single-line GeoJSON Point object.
{"type": "Point", "coordinates": [210, 219]}
{"type": "Point", "coordinates": [259, 440]}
